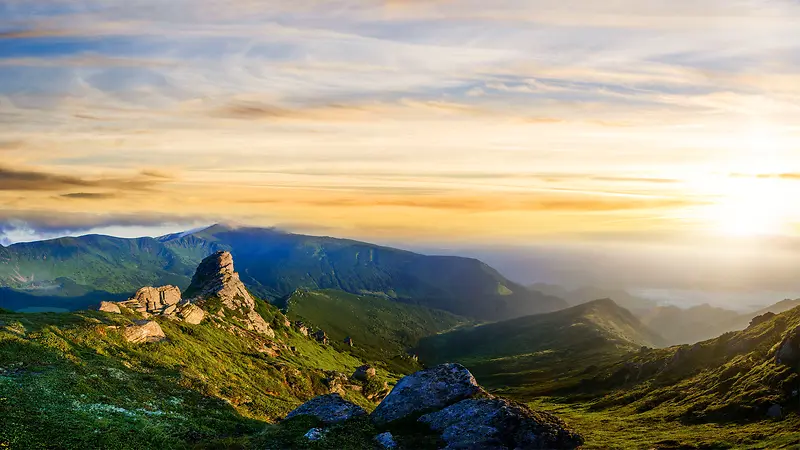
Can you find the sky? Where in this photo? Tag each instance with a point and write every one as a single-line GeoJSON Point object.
{"type": "Point", "coordinates": [508, 121]}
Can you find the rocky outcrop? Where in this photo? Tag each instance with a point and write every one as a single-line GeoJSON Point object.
{"type": "Point", "coordinates": [321, 337]}
{"type": "Point", "coordinates": [449, 401]}
{"type": "Point", "coordinates": [215, 279]}
{"type": "Point", "coordinates": [499, 424]}
{"type": "Point", "coordinates": [109, 307]}
{"type": "Point", "coordinates": [144, 331]}
{"type": "Point", "coordinates": [329, 409]}
{"type": "Point", "coordinates": [192, 314]}
{"type": "Point", "coordinates": [364, 373]}
{"type": "Point", "coordinates": [155, 300]}
{"type": "Point", "coordinates": [427, 390]}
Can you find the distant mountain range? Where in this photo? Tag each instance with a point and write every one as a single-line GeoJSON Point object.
{"type": "Point", "coordinates": [73, 273]}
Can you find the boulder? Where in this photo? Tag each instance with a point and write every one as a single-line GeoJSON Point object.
{"type": "Point", "coordinates": [155, 300]}
{"type": "Point", "coordinates": [314, 434]}
{"type": "Point", "coordinates": [321, 337]}
{"type": "Point", "coordinates": [425, 391]}
{"type": "Point", "coordinates": [364, 373]}
{"type": "Point", "coordinates": [349, 341]}
{"type": "Point", "coordinates": [775, 411]}
{"type": "Point", "coordinates": [386, 441]}
{"type": "Point", "coordinates": [499, 424]}
{"type": "Point", "coordinates": [192, 314]}
{"type": "Point", "coordinates": [144, 331]}
{"type": "Point", "coordinates": [329, 409]}
{"type": "Point", "coordinates": [109, 307]}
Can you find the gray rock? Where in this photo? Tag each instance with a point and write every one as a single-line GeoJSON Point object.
{"type": "Point", "coordinates": [386, 440]}
{"type": "Point", "coordinates": [425, 391]}
{"type": "Point", "coordinates": [314, 434]}
{"type": "Point", "coordinates": [775, 411]}
{"type": "Point", "coordinates": [144, 331]}
{"type": "Point", "coordinates": [364, 373]}
{"type": "Point", "coordinates": [500, 424]}
{"type": "Point", "coordinates": [330, 409]}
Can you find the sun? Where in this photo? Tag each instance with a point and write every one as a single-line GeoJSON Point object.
{"type": "Point", "coordinates": [749, 206]}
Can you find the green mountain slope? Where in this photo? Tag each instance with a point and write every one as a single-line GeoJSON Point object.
{"type": "Point", "coordinates": [71, 381]}
{"type": "Point", "coordinates": [272, 264]}
{"type": "Point", "coordinates": [382, 330]}
{"type": "Point", "coordinates": [541, 352]}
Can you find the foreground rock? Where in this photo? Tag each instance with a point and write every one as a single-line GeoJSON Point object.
{"type": "Point", "coordinates": [216, 279]}
{"type": "Point", "coordinates": [109, 307]}
{"type": "Point", "coordinates": [159, 301]}
{"type": "Point", "coordinates": [144, 331]}
{"type": "Point", "coordinates": [329, 409]}
{"type": "Point", "coordinates": [425, 391]}
{"type": "Point", "coordinates": [499, 424]}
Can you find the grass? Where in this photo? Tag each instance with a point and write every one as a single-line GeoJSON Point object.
{"type": "Point", "coordinates": [383, 330]}
{"type": "Point", "coordinates": [625, 428]}
{"type": "Point", "coordinates": [70, 381]}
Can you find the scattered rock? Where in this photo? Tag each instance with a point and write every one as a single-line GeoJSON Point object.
{"type": "Point", "coordinates": [386, 440]}
{"type": "Point", "coordinates": [427, 390]}
{"type": "Point", "coordinates": [192, 314]}
{"type": "Point", "coordinates": [144, 331]}
{"type": "Point", "coordinates": [349, 341]}
{"type": "Point", "coordinates": [154, 300]}
{"type": "Point", "coordinates": [775, 411]}
{"type": "Point", "coordinates": [499, 424]}
{"type": "Point", "coordinates": [315, 434]}
{"type": "Point", "coordinates": [321, 337]}
{"type": "Point", "coordinates": [336, 382]}
{"type": "Point", "coordinates": [330, 409]}
{"type": "Point", "coordinates": [109, 307]}
{"type": "Point", "coordinates": [364, 373]}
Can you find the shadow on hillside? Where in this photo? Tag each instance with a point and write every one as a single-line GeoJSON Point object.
{"type": "Point", "coordinates": [16, 300]}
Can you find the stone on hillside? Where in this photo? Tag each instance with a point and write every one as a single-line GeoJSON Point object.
{"type": "Point", "coordinates": [789, 349]}
{"type": "Point", "coordinates": [499, 424]}
{"type": "Point", "coordinates": [144, 331]}
{"type": "Point", "coordinates": [430, 389]}
{"type": "Point", "coordinates": [349, 341]}
{"type": "Point", "coordinates": [386, 441]}
{"type": "Point", "coordinates": [215, 278]}
{"type": "Point", "coordinates": [155, 300]}
{"type": "Point", "coordinates": [329, 409]}
{"type": "Point", "coordinates": [109, 307]}
{"type": "Point", "coordinates": [192, 314]}
{"type": "Point", "coordinates": [321, 337]}
{"type": "Point", "coordinates": [775, 411]}
{"type": "Point", "coordinates": [314, 434]}
{"type": "Point", "coordinates": [364, 373]}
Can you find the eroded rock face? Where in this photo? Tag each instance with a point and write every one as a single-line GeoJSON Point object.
{"type": "Point", "coordinates": [427, 390]}
{"type": "Point", "coordinates": [329, 409]}
{"type": "Point", "coordinates": [499, 424]}
{"type": "Point", "coordinates": [144, 331]}
{"type": "Point", "coordinates": [155, 300]}
{"type": "Point", "coordinates": [110, 307]}
{"type": "Point", "coordinates": [215, 278]}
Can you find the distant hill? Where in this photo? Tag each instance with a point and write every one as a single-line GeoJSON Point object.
{"type": "Point", "coordinates": [738, 376]}
{"type": "Point", "coordinates": [539, 350]}
{"type": "Point", "coordinates": [272, 264]}
{"type": "Point", "coordinates": [586, 294]}
{"type": "Point", "coordinates": [382, 330]}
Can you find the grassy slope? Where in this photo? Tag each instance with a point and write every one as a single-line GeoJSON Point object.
{"type": "Point", "coordinates": [544, 351]}
{"type": "Point", "coordinates": [383, 330]}
{"type": "Point", "coordinates": [69, 381]}
{"type": "Point", "coordinates": [713, 394]}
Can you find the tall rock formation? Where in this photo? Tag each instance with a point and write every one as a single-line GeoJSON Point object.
{"type": "Point", "coordinates": [216, 279]}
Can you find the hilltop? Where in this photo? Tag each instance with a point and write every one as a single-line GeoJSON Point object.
{"type": "Point", "coordinates": [542, 351]}
{"type": "Point", "coordinates": [73, 273]}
